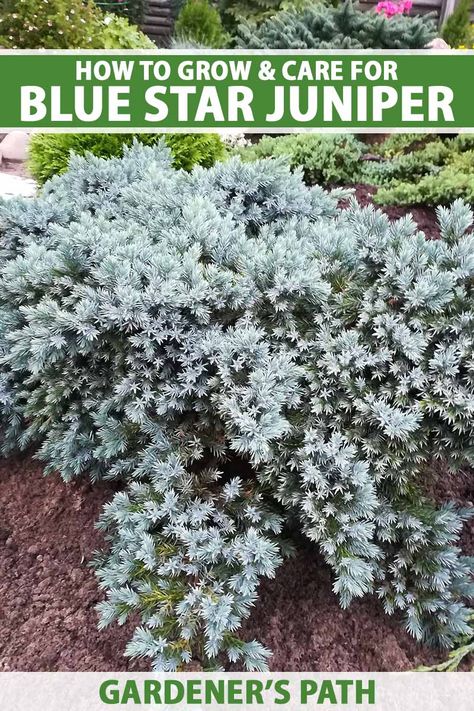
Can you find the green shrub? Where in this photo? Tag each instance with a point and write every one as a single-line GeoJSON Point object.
{"type": "Point", "coordinates": [241, 351]}
{"type": "Point", "coordinates": [50, 153]}
{"type": "Point", "coordinates": [190, 149]}
{"type": "Point", "coordinates": [199, 22]}
{"type": "Point", "coordinates": [255, 11]}
{"type": "Point", "coordinates": [397, 144]}
{"type": "Point", "coordinates": [233, 13]}
{"type": "Point", "coordinates": [341, 27]}
{"type": "Point", "coordinates": [457, 28]}
{"type": "Point", "coordinates": [409, 166]}
{"type": "Point", "coordinates": [324, 158]}
{"type": "Point", "coordinates": [131, 9]}
{"type": "Point", "coordinates": [120, 34]}
{"type": "Point", "coordinates": [65, 24]}
{"type": "Point", "coordinates": [453, 180]}
{"type": "Point", "coordinates": [436, 171]}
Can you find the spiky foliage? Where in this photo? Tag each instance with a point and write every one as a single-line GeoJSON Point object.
{"type": "Point", "coordinates": [322, 26]}
{"type": "Point", "coordinates": [430, 171]}
{"type": "Point", "coordinates": [187, 554]}
{"type": "Point", "coordinates": [165, 327]}
{"type": "Point", "coordinates": [461, 654]}
{"type": "Point", "coordinates": [234, 13]}
{"type": "Point", "coordinates": [457, 28]}
{"type": "Point", "coordinates": [397, 144]}
{"type": "Point", "coordinates": [50, 153]}
{"type": "Point", "coordinates": [323, 158]}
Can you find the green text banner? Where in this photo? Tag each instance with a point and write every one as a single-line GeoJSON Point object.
{"type": "Point", "coordinates": [364, 91]}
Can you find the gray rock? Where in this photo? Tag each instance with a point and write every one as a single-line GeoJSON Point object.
{"type": "Point", "coordinates": [16, 186]}
{"type": "Point", "coordinates": [14, 146]}
{"type": "Point", "coordinates": [437, 43]}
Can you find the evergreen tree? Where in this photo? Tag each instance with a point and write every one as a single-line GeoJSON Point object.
{"type": "Point", "coordinates": [457, 28]}
{"type": "Point", "coordinates": [199, 22]}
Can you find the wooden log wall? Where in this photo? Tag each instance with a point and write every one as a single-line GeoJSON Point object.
{"type": "Point", "coordinates": [158, 15]}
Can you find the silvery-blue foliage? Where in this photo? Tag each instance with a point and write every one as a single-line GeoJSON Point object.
{"type": "Point", "coordinates": [341, 25]}
{"type": "Point", "coordinates": [187, 554]}
{"type": "Point", "coordinates": [163, 327]}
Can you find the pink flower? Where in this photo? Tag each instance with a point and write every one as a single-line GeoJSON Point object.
{"type": "Point", "coordinates": [389, 8]}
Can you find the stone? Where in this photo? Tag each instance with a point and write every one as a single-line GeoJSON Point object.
{"type": "Point", "coordinates": [437, 43]}
{"type": "Point", "coordinates": [16, 186]}
{"type": "Point", "coordinates": [14, 146]}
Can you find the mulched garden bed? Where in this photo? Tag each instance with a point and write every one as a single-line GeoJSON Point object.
{"type": "Point", "coordinates": [424, 216]}
{"type": "Point", "coordinates": [48, 592]}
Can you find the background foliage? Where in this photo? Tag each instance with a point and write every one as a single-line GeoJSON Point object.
{"type": "Point", "coordinates": [341, 27]}
{"type": "Point", "coordinates": [200, 23]}
{"type": "Point", "coordinates": [324, 158]}
{"type": "Point", "coordinates": [50, 154]}
{"type": "Point", "coordinates": [428, 170]}
{"type": "Point", "coordinates": [233, 13]}
{"type": "Point", "coordinates": [65, 24]}
{"type": "Point", "coordinates": [131, 9]}
{"type": "Point", "coordinates": [457, 28]}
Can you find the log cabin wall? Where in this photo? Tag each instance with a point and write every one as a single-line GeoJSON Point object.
{"type": "Point", "coordinates": [158, 17]}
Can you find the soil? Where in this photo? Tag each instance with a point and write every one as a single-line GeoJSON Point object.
{"type": "Point", "coordinates": [48, 592]}
{"type": "Point", "coordinates": [308, 631]}
{"type": "Point", "coordinates": [424, 216]}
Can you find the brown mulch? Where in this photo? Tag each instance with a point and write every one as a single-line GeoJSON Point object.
{"type": "Point", "coordinates": [424, 216]}
{"type": "Point", "coordinates": [48, 593]}
{"type": "Point", "coordinates": [299, 618]}
{"type": "Point", "coordinates": [308, 631]}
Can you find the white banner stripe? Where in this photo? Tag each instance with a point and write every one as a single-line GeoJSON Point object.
{"type": "Point", "coordinates": [417, 691]}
